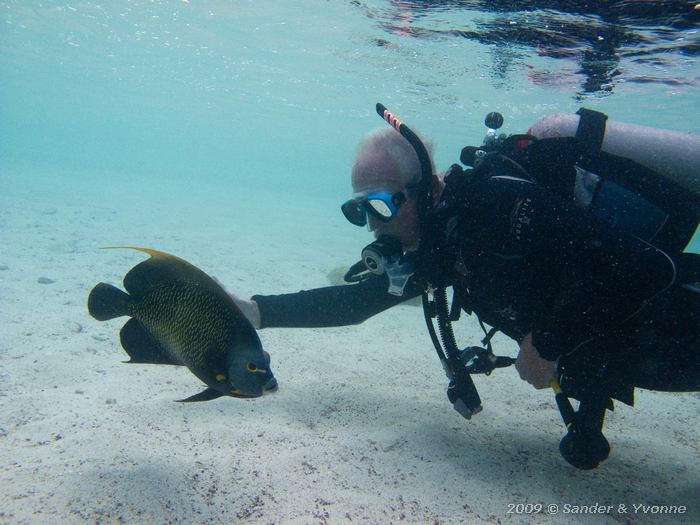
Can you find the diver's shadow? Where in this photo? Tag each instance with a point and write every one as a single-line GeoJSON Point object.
{"type": "Point", "coordinates": [509, 454]}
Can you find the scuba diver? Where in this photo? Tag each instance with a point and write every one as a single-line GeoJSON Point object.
{"type": "Point", "coordinates": [569, 239]}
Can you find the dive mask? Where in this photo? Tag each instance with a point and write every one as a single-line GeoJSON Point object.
{"type": "Point", "coordinates": [382, 205]}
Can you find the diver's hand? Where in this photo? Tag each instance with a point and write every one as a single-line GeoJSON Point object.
{"type": "Point", "coordinates": [249, 308]}
{"type": "Point", "coordinates": [532, 368]}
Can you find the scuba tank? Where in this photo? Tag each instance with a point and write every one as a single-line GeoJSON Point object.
{"type": "Point", "coordinates": [643, 181]}
{"type": "Point", "coordinates": [672, 154]}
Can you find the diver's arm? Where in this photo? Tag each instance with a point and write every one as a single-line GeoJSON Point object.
{"type": "Point", "coordinates": [331, 305]}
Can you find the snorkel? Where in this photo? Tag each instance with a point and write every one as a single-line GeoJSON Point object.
{"type": "Point", "coordinates": [426, 168]}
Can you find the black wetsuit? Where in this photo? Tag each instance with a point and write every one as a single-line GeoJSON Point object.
{"type": "Point", "coordinates": [609, 306]}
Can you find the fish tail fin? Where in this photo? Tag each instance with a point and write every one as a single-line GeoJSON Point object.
{"type": "Point", "coordinates": [107, 302]}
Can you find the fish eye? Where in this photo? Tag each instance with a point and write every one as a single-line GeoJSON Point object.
{"type": "Point", "coordinates": [251, 367]}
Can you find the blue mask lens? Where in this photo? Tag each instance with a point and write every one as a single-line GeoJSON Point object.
{"type": "Point", "coordinates": [354, 212]}
{"type": "Point", "coordinates": [382, 206]}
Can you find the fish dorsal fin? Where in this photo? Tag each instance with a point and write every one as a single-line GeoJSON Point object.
{"type": "Point", "coordinates": [163, 268]}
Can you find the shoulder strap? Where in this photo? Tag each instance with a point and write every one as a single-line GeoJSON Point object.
{"type": "Point", "coordinates": [590, 131]}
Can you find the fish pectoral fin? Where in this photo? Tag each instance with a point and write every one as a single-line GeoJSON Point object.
{"type": "Point", "coordinates": [205, 395]}
{"type": "Point", "coordinates": [142, 347]}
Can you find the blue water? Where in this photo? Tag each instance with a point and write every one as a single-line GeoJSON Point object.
{"type": "Point", "coordinates": [277, 95]}
{"type": "Point", "coordinates": [224, 132]}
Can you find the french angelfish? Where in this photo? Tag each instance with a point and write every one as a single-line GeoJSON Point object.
{"type": "Point", "coordinates": [181, 316]}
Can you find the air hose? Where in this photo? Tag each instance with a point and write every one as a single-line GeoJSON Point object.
{"type": "Point", "coordinates": [461, 390]}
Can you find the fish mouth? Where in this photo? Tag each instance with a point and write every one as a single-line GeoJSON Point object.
{"type": "Point", "coordinates": [241, 395]}
{"type": "Point", "coordinates": [269, 386]}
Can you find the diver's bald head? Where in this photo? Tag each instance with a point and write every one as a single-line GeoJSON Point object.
{"type": "Point", "coordinates": [385, 159]}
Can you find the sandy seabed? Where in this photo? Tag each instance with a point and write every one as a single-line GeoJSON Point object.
{"type": "Point", "coordinates": [360, 430]}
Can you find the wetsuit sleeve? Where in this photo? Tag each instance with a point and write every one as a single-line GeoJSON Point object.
{"type": "Point", "coordinates": [331, 305]}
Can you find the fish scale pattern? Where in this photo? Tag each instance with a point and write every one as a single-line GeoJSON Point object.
{"type": "Point", "coordinates": [194, 326]}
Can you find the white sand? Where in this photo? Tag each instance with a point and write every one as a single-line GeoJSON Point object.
{"type": "Point", "coordinates": [359, 432]}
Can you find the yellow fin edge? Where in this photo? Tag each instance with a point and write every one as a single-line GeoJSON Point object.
{"type": "Point", "coordinates": [149, 251]}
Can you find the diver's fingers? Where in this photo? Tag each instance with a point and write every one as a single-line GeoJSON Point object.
{"type": "Point", "coordinates": [216, 280]}
{"type": "Point", "coordinates": [249, 308]}
{"type": "Point", "coordinates": [233, 295]}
